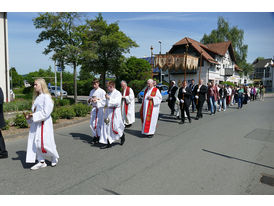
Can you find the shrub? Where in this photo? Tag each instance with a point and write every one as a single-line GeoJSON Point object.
{"type": "Point", "coordinates": [20, 121]}
{"type": "Point", "coordinates": [66, 112]}
{"type": "Point", "coordinates": [61, 102]}
{"type": "Point", "coordinates": [55, 115]}
{"type": "Point", "coordinates": [18, 105]}
{"type": "Point", "coordinates": [81, 110]}
{"type": "Point", "coordinates": [7, 126]}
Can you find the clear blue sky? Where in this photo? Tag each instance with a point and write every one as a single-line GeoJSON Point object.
{"type": "Point", "coordinates": [146, 29]}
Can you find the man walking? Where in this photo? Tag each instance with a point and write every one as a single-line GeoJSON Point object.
{"type": "Point", "coordinates": [200, 91]}
{"type": "Point", "coordinates": [193, 103]}
{"type": "Point", "coordinates": [171, 96]}
{"type": "Point", "coordinates": [128, 104]}
{"type": "Point", "coordinates": [185, 96]}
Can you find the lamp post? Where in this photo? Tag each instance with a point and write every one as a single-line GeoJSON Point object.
{"type": "Point", "coordinates": [160, 70]}
{"type": "Point", "coordinates": [151, 56]}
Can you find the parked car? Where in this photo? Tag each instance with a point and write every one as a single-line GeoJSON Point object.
{"type": "Point", "coordinates": [163, 89]}
{"type": "Point", "coordinates": [58, 91]}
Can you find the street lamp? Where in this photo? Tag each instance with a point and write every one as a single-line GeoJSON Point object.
{"type": "Point", "coordinates": [160, 46]}
{"type": "Point", "coordinates": [160, 53]}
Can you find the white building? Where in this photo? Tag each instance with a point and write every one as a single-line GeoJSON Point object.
{"type": "Point", "coordinates": [264, 72]}
{"type": "Point", "coordinates": [218, 62]}
{"type": "Point", "coordinates": [4, 58]}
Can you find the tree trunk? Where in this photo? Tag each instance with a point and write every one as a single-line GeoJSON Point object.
{"type": "Point", "coordinates": [75, 82]}
{"type": "Point", "coordinates": [104, 79]}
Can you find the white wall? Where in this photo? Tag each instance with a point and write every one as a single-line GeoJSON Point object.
{"type": "Point", "coordinates": [3, 57]}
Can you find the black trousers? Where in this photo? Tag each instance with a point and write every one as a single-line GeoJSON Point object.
{"type": "Point", "coordinates": [171, 105]}
{"type": "Point", "coordinates": [2, 144]}
{"type": "Point", "coordinates": [200, 108]}
{"type": "Point", "coordinates": [184, 109]}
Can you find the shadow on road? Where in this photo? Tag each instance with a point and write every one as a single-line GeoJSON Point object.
{"type": "Point", "coordinates": [136, 133]}
{"type": "Point", "coordinates": [84, 137]}
{"type": "Point", "coordinates": [235, 158]}
{"type": "Point", "coordinates": [22, 158]}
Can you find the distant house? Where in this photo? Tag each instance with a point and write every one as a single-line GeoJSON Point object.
{"type": "Point", "coordinates": [4, 59]}
{"type": "Point", "coordinates": [263, 72]}
{"type": "Point", "coordinates": [156, 72]}
{"type": "Point", "coordinates": [218, 62]}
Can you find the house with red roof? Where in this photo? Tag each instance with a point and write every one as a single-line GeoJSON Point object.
{"type": "Point", "coordinates": [218, 62]}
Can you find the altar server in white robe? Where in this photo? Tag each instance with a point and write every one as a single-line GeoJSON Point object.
{"type": "Point", "coordinates": [113, 126]}
{"type": "Point", "coordinates": [128, 104]}
{"type": "Point", "coordinates": [41, 143]}
{"type": "Point", "coordinates": [150, 109]}
{"type": "Point", "coordinates": [96, 98]}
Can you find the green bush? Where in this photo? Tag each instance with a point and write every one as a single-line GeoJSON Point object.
{"type": "Point", "coordinates": [66, 112]}
{"type": "Point", "coordinates": [228, 83]}
{"type": "Point", "coordinates": [81, 110]}
{"type": "Point", "coordinates": [137, 85]}
{"type": "Point", "coordinates": [7, 126]}
{"type": "Point", "coordinates": [20, 121]}
{"type": "Point", "coordinates": [17, 105]}
{"type": "Point", "coordinates": [55, 115]}
{"type": "Point", "coordinates": [28, 90]}
{"type": "Point", "coordinates": [62, 102]}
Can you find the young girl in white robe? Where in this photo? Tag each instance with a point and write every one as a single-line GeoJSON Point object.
{"type": "Point", "coordinates": [41, 142]}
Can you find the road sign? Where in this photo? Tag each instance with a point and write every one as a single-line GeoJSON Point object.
{"type": "Point", "coordinates": [59, 69]}
{"type": "Point", "coordinates": [49, 84]}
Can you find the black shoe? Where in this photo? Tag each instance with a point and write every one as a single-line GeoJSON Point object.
{"type": "Point", "coordinates": [150, 136]}
{"type": "Point", "coordinates": [196, 118]}
{"type": "Point", "coordinates": [106, 146]}
{"type": "Point", "coordinates": [123, 139]}
{"type": "Point", "coordinates": [128, 126]}
{"type": "Point", "coordinates": [95, 140]}
{"type": "Point", "coordinates": [177, 117]}
{"type": "Point", "coordinates": [181, 122]}
{"type": "Point", "coordinates": [189, 120]}
{"type": "Point", "coordinates": [4, 155]}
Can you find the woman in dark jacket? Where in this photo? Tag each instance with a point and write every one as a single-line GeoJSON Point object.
{"type": "Point", "coordinates": [3, 151]}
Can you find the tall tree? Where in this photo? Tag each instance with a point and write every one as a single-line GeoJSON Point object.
{"type": "Point", "coordinates": [62, 32]}
{"type": "Point", "coordinates": [135, 69]}
{"type": "Point", "coordinates": [16, 79]}
{"type": "Point", "coordinates": [103, 47]}
{"type": "Point", "coordinates": [225, 32]}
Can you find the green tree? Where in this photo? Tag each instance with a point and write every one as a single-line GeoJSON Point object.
{"type": "Point", "coordinates": [225, 32]}
{"type": "Point", "coordinates": [135, 69]}
{"type": "Point", "coordinates": [103, 47]}
{"type": "Point", "coordinates": [63, 34]}
{"type": "Point", "coordinates": [16, 79]}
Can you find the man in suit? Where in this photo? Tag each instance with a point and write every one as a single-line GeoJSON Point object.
{"type": "Point", "coordinates": [171, 96]}
{"type": "Point", "coordinates": [184, 96]}
{"type": "Point", "coordinates": [200, 92]}
{"type": "Point", "coordinates": [3, 151]}
{"type": "Point", "coordinates": [193, 102]}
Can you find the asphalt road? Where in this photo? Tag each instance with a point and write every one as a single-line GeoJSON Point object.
{"type": "Point", "coordinates": [222, 154]}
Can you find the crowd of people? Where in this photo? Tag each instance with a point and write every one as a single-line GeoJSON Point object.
{"type": "Point", "coordinates": [218, 97]}
{"type": "Point", "coordinates": [113, 111]}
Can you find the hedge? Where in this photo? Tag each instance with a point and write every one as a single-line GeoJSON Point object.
{"type": "Point", "coordinates": [20, 121]}
{"type": "Point", "coordinates": [18, 105]}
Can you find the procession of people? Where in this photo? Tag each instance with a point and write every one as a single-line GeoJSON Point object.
{"type": "Point", "coordinates": [114, 111]}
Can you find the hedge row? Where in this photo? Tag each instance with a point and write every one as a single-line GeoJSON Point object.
{"type": "Point", "coordinates": [18, 105]}
{"type": "Point", "coordinates": [59, 112]}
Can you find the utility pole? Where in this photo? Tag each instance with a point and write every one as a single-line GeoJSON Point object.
{"type": "Point", "coordinates": [61, 80]}
{"type": "Point", "coordinates": [55, 78]}
{"type": "Point", "coordinates": [160, 69]}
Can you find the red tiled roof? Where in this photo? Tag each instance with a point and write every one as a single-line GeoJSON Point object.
{"type": "Point", "coordinates": [198, 46]}
{"type": "Point", "coordinates": [217, 48]}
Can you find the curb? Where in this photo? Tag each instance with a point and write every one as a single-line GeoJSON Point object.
{"type": "Point", "coordinates": [57, 126]}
